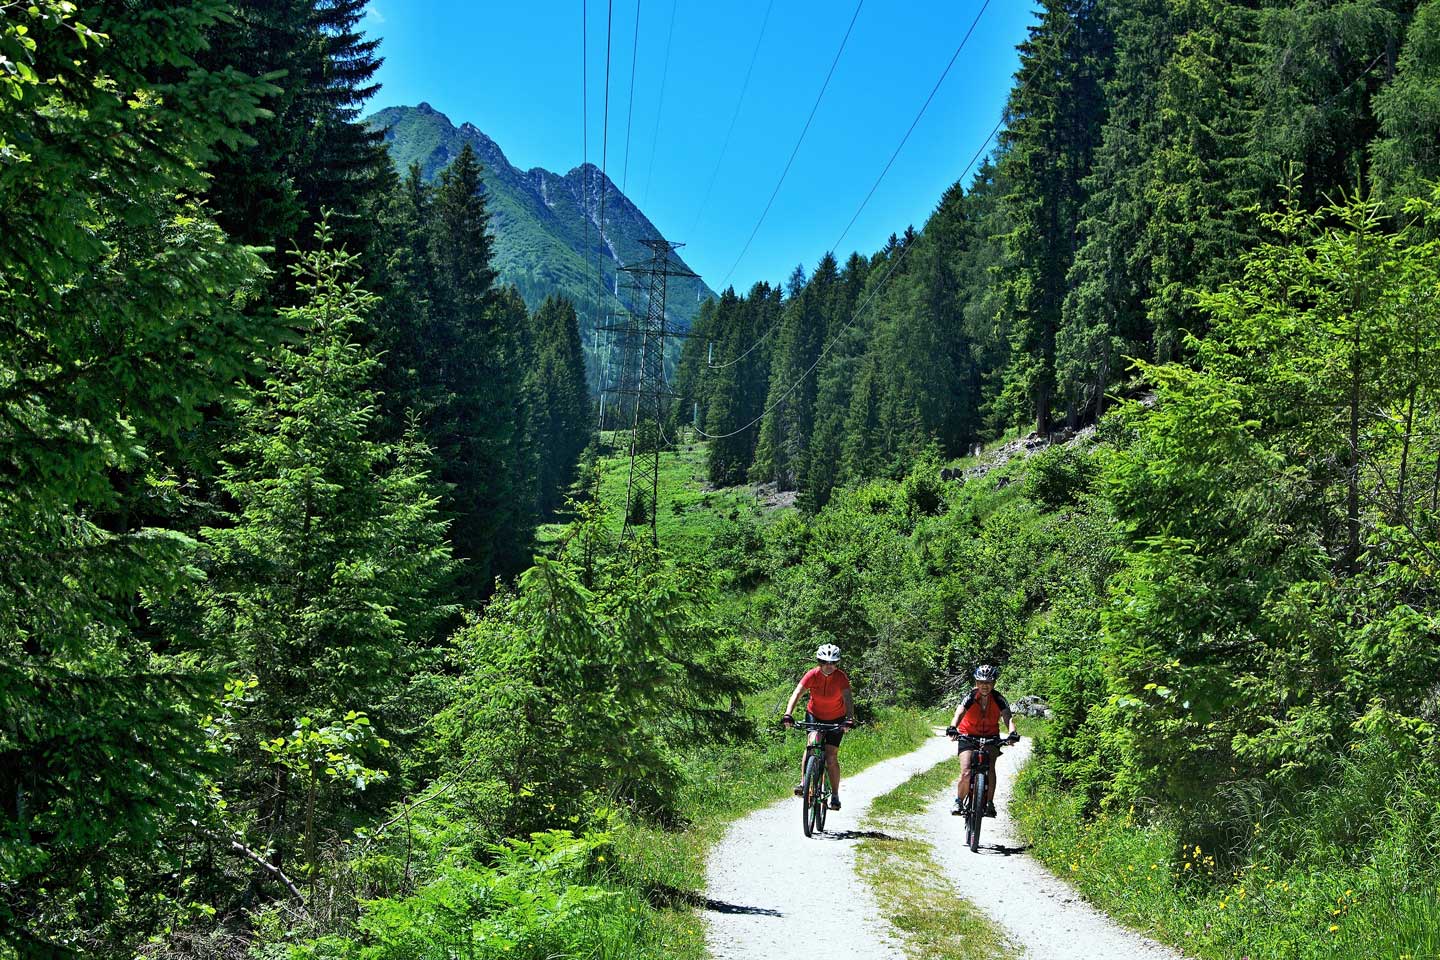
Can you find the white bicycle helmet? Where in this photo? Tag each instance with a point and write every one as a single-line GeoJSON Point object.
{"type": "Point", "coordinates": [828, 653]}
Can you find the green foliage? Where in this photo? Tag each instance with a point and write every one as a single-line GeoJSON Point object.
{"type": "Point", "coordinates": [1060, 476]}
{"type": "Point", "coordinates": [539, 898]}
{"type": "Point", "coordinates": [570, 692]}
{"type": "Point", "coordinates": [118, 313]}
{"type": "Point", "coordinates": [324, 583]}
{"type": "Point", "coordinates": [1348, 867]}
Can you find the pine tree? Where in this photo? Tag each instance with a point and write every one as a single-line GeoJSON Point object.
{"type": "Point", "coordinates": [782, 449]}
{"type": "Point", "coordinates": [475, 424]}
{"type": "Point", "coordinates": [1318, 65]}
{"type": "Point", "coordinates": [324, 585]}
{"type": "Point", "coordinates": [1055, 115]}
{"type": "Point", "coordinates": [1407, 152]}
{"type": "Point", "coordinates": [561, 411]}
{"type": "Point", "coordinates": [120, 328]}
{"type": "Point", "coordinates": [270, 188]}
{"type": "Point", "coordinates": [835, 379]}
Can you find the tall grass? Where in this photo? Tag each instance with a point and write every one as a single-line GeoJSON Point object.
{"type": "Point", "coordinates": [1348, 868]}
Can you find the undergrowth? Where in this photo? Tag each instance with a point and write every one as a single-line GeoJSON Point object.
{"type": "Point", "coordinates": [1343, 869]}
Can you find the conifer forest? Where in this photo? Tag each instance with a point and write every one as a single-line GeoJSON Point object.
{"type": "Point", "coordinates": [324, 633]}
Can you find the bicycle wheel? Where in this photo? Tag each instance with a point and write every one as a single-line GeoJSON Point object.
{"type": "Point", "coordinates": [821, 798]}
{"type": "Point", "coordinates": [808, 791]}
{"type": "Point", "coordinates": [977, 810]}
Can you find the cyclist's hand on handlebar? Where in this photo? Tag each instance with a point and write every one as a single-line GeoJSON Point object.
{"type": "Point", "coordinates": [1013, 738]}
{"type": "Point", "coordinates": [850, 724]}
{"type": "Point", "coordinates": [951, 732]}
{"type": "Point", "coordinates": [787, 721]}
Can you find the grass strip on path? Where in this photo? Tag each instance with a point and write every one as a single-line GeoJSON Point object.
{"type": "Point", "coordinates": [935, 922]}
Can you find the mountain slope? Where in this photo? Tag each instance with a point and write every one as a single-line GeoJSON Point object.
{"type": "Point", "coordinates": [540, 219]}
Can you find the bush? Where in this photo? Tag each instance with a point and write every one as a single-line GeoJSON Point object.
{"type": "Point", "coordinates": [1060, 476]}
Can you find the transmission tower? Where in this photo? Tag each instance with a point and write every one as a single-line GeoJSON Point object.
{"type": "Point", "coordinates": [647, 332]}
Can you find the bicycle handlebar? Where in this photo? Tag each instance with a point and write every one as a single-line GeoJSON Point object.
{"type": "Point", "coordinates": [822, 727]}
{"type": "Point", "coordinates": [954, 734]}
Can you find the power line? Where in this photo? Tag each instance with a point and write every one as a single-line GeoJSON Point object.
{"type": "Point", "coordinates": [806, 129]}
{"type": "Point", "coordinates": [913, 123]}
{"type": "Point", "coordinates": [584, 179]}
{"type": "Point", "coordinates": [904, 252]}
{"type": "Point", "coordinates": [660, 108]}
{"type": "Point", "coordinates": [720, 157]}
{"type": "Point", "coordinates": [836, 245]}
{"type": "Point", "coordinates": [630, 111]}
{"type": "Point", "coordinates": [605, 127]}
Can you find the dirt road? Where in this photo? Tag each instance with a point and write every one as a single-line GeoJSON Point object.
{"type": "Point", "coordinates": [772, 891]}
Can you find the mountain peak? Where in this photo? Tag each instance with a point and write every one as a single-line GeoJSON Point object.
{"type": "Point", "coordinates": [547, 236]}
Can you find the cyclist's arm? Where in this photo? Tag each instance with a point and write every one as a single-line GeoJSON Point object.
{"type": "Point", "coordinates": [1009, 721]}
{"type": "Point", "coordinates": [794, 698]}
{"type": "Point", "coordinates": [849, 707]}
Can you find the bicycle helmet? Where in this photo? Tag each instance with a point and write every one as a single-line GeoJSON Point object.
{"type": "Point", "coordinates": [986, 673]}
{"type": "Point", "coordinates": [828, 653]}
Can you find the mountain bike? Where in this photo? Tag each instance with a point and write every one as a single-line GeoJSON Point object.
{"type": "Point", "coordinates": [815, 785]}
{"type": "Point", "coordinates": [982, 768]}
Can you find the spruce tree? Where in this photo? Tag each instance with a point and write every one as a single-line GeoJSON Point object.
{"type": "Point", "coordinates": [475, 422]}
{"type": "Point", "coordinates": [1407, 152]}
{"type": "Point", "coordinates": [120, 328]}
{"type": "Point", "coordinates": [324, 583]}
{"type": "Point", "coordinates": [782, 450]}
{"type": "Point", "coordinates": [1055, 115]}
{"type": "Point", "coordinates": [835, 379]}
{"type": "Point", "coordinates": [561, 411]}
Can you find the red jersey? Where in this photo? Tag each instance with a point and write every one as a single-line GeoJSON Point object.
{"type": "Point", "coordinates": [827, 694]}
{"type": "Point", "coordinates": [981, 721]}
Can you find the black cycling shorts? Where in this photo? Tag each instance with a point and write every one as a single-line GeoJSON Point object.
{"type": "Point", "coordinates": [831, 738]}
{"type": "Point", "coordinates": [970, 743]}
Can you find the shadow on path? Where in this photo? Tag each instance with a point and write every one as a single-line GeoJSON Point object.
{"type": "Point", "coordinates": [664, 895]}
{"type": "Point", "coordinates": [859, 835]}
{"type": "Point", "coordinates": [1005, 851]}
{"type": "Point", "coordinates": [720, 906]}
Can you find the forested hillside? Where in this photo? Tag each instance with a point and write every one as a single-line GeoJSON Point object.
{"type": "Point", "coordinates": [281, 674]}
{"type": "Point", "coordinates": [1142, 143]}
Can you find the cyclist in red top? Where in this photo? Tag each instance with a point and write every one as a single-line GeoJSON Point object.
{"type": "Point", "coordinates": [829, 703]}
{"type": "Point", "coordinates": [980, 715]}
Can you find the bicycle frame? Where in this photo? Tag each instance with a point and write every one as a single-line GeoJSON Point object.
{"type": "Point", "coordinates": [982, 768]}
{"type": "Point", "coordinates": [815, 784]}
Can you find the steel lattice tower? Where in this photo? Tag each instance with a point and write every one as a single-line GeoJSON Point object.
{"type": "Point", "coordinates": [646, 335]}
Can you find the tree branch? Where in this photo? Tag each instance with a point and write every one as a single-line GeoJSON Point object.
{"type": "Point", "coordinates": [239, 849]}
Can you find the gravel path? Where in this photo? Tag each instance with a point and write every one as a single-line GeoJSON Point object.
{"type": "Point", "coordinates": [1041, 912]}
{"type": "Point", "coordinates": [763, 877]}
{"type": "Point", "coordinates": [773, 893]}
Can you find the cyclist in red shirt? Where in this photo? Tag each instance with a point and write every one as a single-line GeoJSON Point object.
{"type": "Point", "coordinates": [980, 714]}
{"type": "Point", "coordinates": [829, 703]}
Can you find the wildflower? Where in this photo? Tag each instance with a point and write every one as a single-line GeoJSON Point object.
{"type": "Point", "coordinates": [601, 858]}
{"type": "Point", "coordinates": [1334, 927]}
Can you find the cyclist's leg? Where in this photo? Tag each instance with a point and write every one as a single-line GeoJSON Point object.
{"type": "Point", "coordinates": [832, 763]}
{"type": "Point", "coordinates": [990, 780]}
{"type": "Point", "coordinates": [962, 786]}
{"type": "Point", "coordinates": [810, 737]}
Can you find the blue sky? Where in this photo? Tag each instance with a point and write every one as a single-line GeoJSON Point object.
{"type": "Point", "coordinates": [514, 70]}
